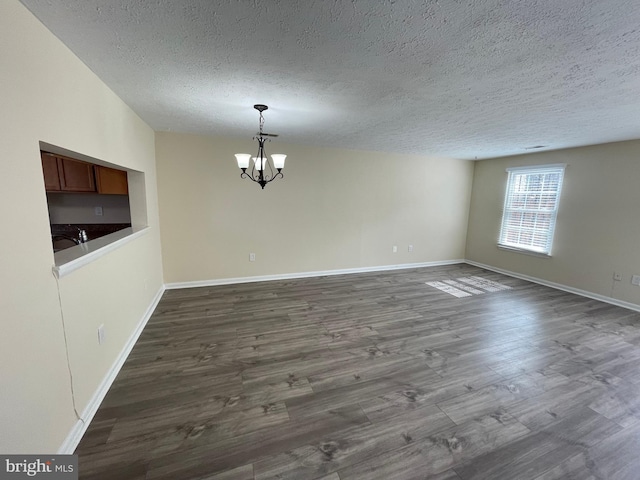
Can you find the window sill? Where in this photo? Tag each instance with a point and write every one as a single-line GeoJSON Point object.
{"type": "Point", "coordinates": [524, 251]}
{"type": "Point", "coordinates": [71, 259]}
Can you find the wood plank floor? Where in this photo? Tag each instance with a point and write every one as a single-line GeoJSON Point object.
{"type": "Point", "coordinates": [374, 376]}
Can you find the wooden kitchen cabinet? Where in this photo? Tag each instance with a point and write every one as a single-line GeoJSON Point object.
{"type": "Point", "coordinates": [76, 176]}
{"type": "Point", "coordinates": [50, 172]}
{"type": "Point", "coordinates": [111, 181]}
{"type": "Point", "coordinates": [62, 174]}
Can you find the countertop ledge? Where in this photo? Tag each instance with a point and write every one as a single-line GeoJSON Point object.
{"type": "Point", "coordinates": [70, 259]}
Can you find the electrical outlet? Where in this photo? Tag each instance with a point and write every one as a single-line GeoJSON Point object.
{"type": "Point", "coordinates": [635, 280]}
{"type": "Point", "coordinates": [617, 276]}
{"type": "Point", "coordinates": [252, 257]}
{"type": "Point", "coordinates": [395, 249]}
{"type": "Point", "coordinates": [98, 211]}
{"type": "Point", "coordinates": [410, 248]}
{"type": "Point", "coordinates": [101, 335]}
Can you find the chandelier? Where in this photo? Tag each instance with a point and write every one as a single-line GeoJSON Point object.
{"type": "Point", "coordinates": [261, 169]}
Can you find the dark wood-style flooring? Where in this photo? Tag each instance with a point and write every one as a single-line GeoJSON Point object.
{"type": "Point", "coordinates": [374, 376]}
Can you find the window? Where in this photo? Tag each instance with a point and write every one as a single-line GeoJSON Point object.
{"type": "Point", "coordinates": [530, 208]}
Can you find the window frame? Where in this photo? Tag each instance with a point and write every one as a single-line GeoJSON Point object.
{"type": "Point", "coordinates": [513, 172]}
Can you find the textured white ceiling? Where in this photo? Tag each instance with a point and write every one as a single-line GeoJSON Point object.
{"type": "Point", "coordinates": [453, 78]}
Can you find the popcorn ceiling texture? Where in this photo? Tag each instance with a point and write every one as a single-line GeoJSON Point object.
{"type": "Point", "coordinates": [459, 79]}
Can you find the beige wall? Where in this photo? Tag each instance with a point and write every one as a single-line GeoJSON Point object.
{"type": "Point", "coordinates": [47, 94]}
{"type": "Point", "coordinates": [597, 230]}
{"type": "Point", "coordinates": [335, 209]}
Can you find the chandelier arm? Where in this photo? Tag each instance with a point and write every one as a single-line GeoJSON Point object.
{"type": "Point", "coordinates": [256, 177]}
{"type": "Point", "coordinates": [270, 170]}
{"type": "Point", "coordinates": [249, 176]}
{"type": "Point", "coordinates": [253, 174]}
{"type": "Point", "coordinates": [268, 179]}
{"type": "Point", "coordinates": [279, 174]}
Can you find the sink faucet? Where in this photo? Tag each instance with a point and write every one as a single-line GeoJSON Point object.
{"type": "Point", "coordinates": [82, 235]}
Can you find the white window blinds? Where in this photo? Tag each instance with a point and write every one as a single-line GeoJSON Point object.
{"type": "Point", "coordinates": [530, 208]}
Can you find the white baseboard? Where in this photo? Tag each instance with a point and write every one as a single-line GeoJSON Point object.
{"type": "Point", "coordinates": [289, 276]}
{"type": "Point", "coordinates": [75, 435]}
{"type": "Point", "coordinates": [558, 286]}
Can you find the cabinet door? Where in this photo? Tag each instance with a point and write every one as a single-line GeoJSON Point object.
{"type": "Point", "coordinates": [76, 176]}
{"type": "Point", "coordinates": [111, 181]}
{"type": "Point", "coordinates": [50, 172]}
